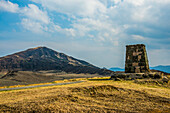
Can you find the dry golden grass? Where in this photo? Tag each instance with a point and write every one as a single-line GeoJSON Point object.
{"type": "Point", "coordinates": [25, 78]}
{"type": "Point", "coordinates": [95, 95]}
{"type": "Point", "coordinates": [59, 81]}
{"type": "Point", "coordinates": [168, 76]}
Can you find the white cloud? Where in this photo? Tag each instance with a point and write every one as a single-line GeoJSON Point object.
{"type": "Point", "coordinates": [116, 18]}
{"type": "Point", "coordinates": [141, 17]}
{"type": "Point", "coordinates": [100, 29]}
{"type": "Point", "coordinates": [66, 31]}
{"type": "Point", "coordinates": [135, 2]}
{"type": "Point", "coordinates": [161, 1]}
{"type": "Point", "coordinates": [112, 23]}
{"type": "Point", "coordinates": [33, 26]}
{"type": "Point", "coordinates": [98, 19]}
{"type": "Point", "coordinates": [138, 37]}
{"type": "Point", "coordinates": [83, 8]}
{"type": "Point", "coordinates": [143, 14]}
{"type": "Point", "coordinates": [8, 6]}
{"type": "Point", "coordinates": [34, 13]}
{"type": "Point", "coordinates": [116, 1]}
{"type": "Point", "coordinates": [34, 20]}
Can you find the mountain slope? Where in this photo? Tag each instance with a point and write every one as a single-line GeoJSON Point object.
{"type": "Point", "coordinates": [43, 58]}
{"type": "Point", "coordinates": [116, 69]}
{"type": "Point", "coordinates": [162, 68]}
{"type": "Point", "coordinates": [159, 68]}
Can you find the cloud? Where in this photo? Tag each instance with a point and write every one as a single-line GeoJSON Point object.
{"type": "Point", "coordinates": [8, 6]}
{"type": "Point", "coordinates": [63, 31]}
{"type": "Point", "coordinates": [100, 20]}
{"type": "Point", "coordinates": [35, 27]}
{"type": "Point", "coordinates": [147, 18]}
{"type": "Point", "coordinates": [82, 8]}
{"type": "Point", "coordinates": [108, 23]}
{"type": "Point", "coordinates": [135, 2]}
{"type": "Point", "coordinates": [100, 29]}
{"type": "Point", "coordinates": [138, 37]}
{"type": "Point", "coordinates": [89, 19]}
{"type": "Point", "coordinates": [34, 13]}
{"type": "Point", "coordinates": [122, 21]}
{"type": "Point", "coordinates": [34, 19]}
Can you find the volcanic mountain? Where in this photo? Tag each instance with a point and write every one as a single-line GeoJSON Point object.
{"type": "Point", "coordinates": [43, 58]}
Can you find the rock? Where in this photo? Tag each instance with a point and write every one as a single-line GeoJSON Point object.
{"type": "Point", "coordinates": [118, 79]}
{"type": "Point", "coordinates": [151, 75]}
{"type": "Point", "coordinates": [132, 76]}
{"type": "Point", "coordinates": [158, 75]}
{"type": "Point", "coordinates": [113, 76]}
{"type": "Point", "coordinates": [123, 76]}
{"type": "Point", "coordinates": [165, 79]}
{"type": "Point", "coordinates": [146, 75]}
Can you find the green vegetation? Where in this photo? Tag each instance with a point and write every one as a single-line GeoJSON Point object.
{"type": "Point", "coordinates": [94, 95]}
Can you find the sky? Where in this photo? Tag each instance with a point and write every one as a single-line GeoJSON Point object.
{"type": "Point", "coordinates": [96, 31]}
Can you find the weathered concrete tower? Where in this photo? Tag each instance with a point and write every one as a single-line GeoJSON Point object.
{"type": "Point", "coordinates": [136, 59]}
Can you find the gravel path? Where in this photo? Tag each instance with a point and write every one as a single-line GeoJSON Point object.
{"type": "Point", "coordinates": [26, 87]}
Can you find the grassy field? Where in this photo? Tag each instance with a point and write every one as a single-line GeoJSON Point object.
{"type": "Point", "coordinates": [29, 77]}
{"type": "Point", "coordinates": [94, 95]}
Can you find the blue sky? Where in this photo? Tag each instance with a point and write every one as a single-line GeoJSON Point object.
{"type": "Point", "coordinates": [93, 30]}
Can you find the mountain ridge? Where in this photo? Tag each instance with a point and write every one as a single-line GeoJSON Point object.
{"type": "Point", "coordinates": [116, 69]}
{"type": "Point", "coordinates": [162, 68]}
{"type": "Point", "coordinates": [159, 68]}
{"type": "Point", "coordinates": [43, 58]}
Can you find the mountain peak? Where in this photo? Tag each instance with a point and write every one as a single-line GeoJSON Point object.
{"type": "Point", "coordinates": [43, 58]}
{"type": "Point", "coordinates": [39, 47]}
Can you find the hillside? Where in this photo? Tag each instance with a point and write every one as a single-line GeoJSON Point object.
{"type": "Point", "coordinates": [165, 69]}
{"type": "Point", "coordinates": [92, 96]}
{"type": "Point", "coordinates": [161, 68]}
{"type": "Point", "coordinates": [116, 69]}
{"type": "Point", "coordinates": [43, 58]}
{"type": "Point", "coordinates": [30, 77]}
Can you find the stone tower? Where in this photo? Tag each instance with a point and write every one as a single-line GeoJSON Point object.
{"type": "Point", "coordinates": [136, 59]}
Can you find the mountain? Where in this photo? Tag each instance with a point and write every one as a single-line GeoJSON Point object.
{"type": "Point", "coordinates": [116, 69]}
{"type": "Point", "coordinates": [43, 58]}
{"type": "Point", "coordinates": [161, 68]}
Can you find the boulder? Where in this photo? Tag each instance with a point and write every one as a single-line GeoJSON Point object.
{"type": "Point", "coordinates": [165, 79]}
